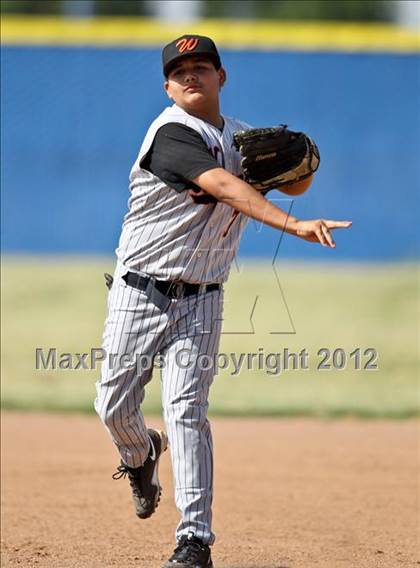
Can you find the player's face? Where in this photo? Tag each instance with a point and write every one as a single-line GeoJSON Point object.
{"type": "Point", "coordinates": [194, 82]}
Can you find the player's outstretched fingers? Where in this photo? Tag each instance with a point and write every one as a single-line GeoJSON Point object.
{"type": "Point", "coordinates": [321, 237]}
{"type": "Point", "coordinates": [327, 235]}
{"type": "Point", "coordinates": [337, 224]}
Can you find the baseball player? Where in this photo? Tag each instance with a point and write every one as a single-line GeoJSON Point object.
{"type": "Point", "coordinates": [187, 210]}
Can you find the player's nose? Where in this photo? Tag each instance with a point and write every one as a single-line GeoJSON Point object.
{"type": "Point", "coordinates": [190, 77]}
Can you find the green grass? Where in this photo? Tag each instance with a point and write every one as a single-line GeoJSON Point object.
{"type": "Point", "coordinates": [46, 303]}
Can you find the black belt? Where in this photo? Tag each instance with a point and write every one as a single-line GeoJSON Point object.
{"type": "Point", "coordinates": [175, 290]}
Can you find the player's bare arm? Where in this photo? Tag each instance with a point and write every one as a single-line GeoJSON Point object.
{"type": "Point", "coordinates": [241, 196]}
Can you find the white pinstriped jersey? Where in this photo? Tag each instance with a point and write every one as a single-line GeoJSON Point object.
{"type": "Point", "coordinates": [165, 233]}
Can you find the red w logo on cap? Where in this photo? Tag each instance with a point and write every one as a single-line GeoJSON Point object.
{"type": "Point", "coordinates": [186, 43]}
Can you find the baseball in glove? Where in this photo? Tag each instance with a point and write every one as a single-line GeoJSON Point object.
{"type": "Point", "coordinates": [276, 157]}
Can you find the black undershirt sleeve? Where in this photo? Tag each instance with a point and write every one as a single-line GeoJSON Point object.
{"type": "Point", "coordinates": [178, 155]}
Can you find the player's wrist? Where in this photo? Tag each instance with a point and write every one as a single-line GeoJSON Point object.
{"type": "Point", "coordinates": [292, 225]}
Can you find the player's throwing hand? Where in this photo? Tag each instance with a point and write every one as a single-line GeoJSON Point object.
{"type": "Point", "coordinates": [318, 230]}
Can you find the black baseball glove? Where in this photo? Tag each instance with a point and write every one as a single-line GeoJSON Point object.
{"type": "Point", "coordinates": [275, 157]}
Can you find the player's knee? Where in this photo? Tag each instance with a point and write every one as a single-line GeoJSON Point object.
{"type": "Point", "coordinates": [107, 414]}
{"type": "Point", "coordinates": [193, 413]}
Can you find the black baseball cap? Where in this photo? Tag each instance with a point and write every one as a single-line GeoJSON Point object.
{"type": "Point", "coordinates": [187, 45]}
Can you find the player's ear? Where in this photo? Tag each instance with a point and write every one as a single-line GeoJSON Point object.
{"type": "Point", "coordinates": [166, 87]}
{"type": "Point", "coordinates": [222, 77]}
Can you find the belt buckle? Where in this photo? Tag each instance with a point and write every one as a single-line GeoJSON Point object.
{"type": "Point", "coordinates": [176, 290]}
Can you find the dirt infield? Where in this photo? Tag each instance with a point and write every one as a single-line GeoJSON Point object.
{"type": "Point", "coordinates": [289, 494]}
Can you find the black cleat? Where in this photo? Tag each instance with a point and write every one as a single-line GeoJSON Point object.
{"type": "Point", "coordinates": [144, 480]}
{"type": "Point", "coordinates": [190, 553]}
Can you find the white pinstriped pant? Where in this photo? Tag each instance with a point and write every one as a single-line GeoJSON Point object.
{"type": "Point", "coordinates": [189, 328]}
